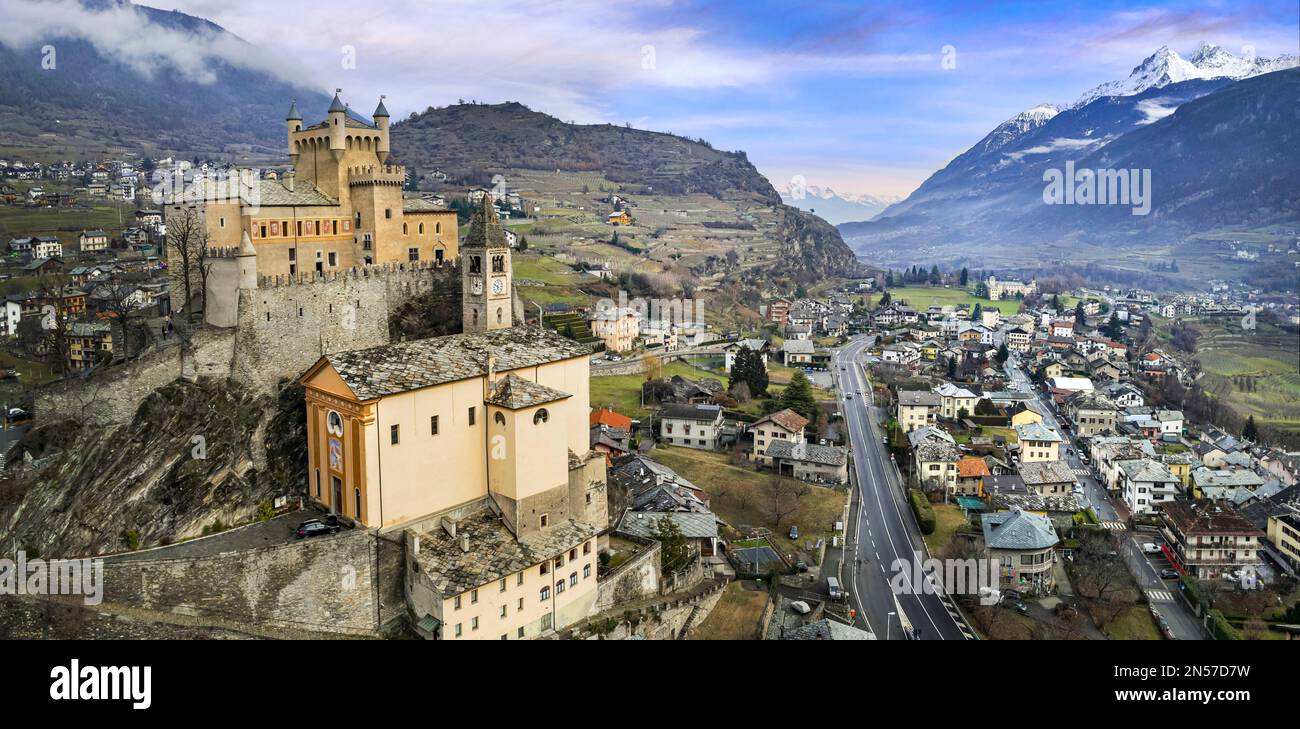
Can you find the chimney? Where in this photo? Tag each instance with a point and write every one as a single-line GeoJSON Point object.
{"type": "Point", "coordinates": [464, 543]}
{"type": "Point", "coordinates": [288, 180]}
{"type": "Point", "coordinates": [415, 545]}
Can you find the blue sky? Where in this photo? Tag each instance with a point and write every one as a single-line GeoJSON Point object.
{"type": "Point", "coordinates": [849, 95]}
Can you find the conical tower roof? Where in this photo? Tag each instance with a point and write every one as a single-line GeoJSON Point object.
{"type": "Point", "coordinates": [337, 105]}
{"type": "Point", "coordinates": [293, 112]}
{"type": "Point", "coordinates": [485, 229]}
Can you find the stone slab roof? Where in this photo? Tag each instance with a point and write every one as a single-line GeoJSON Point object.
{"type": "Point", "coordinates": [515, 393]}
{"type": "Point", "coordinates": [1018, 530]}
{"type": "Point", "coordinates": [1041, 472]}
{"type": "Point", "coordinates": [494, 552]}
{"type": "Point", "coordinates": [918, 398]}
{"type": "Point", "coordinates": [808, 452]}
{"type": "Point", "coordinates": [695, 525]}
{"type": "Point", "coordinates": [403, 366]}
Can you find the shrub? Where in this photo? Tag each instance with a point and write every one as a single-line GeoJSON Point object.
{"type": "Point", "coordinates": [924, 512]}
{"type": "Point", "coordinates": [1221, 629]}
{"type": "Point", "coordinates": [1191, 588]}
{"type": "Point", "coordinates": [265, 510]}
{"type": "Point", "coordinates": [132, 539]}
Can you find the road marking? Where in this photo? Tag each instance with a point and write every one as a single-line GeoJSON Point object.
{"type": "Point", "coordinates": [1081, 472]}
{"type": "Point", "coordinates": [1159, 596]}
{"type": "Point", "coordinates": [1117, 526]}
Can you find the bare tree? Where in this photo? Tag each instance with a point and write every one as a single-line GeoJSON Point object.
{"type": "Point", "coordinates": [780, 499]}
{"type": "Point", "coordinates": [187, 241]}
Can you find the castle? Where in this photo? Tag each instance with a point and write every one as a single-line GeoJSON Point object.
{"type": "Point", "coordinates": [999, 290]}
{"type": "Point", "coordinates": [340, 207]}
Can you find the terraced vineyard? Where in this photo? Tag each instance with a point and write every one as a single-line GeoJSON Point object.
{"type": "Point", "coordinates": [1257, 372]}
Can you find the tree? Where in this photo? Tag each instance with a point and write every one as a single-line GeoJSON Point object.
{"type": "Point", "coordinates": [965, 276]}
{"type": "Point", "coordinates": [674, 550]}
{"type": "Point", "coordinates": [952, 368]}
{"type": "Point", "coordinates": [780, 499]}
{"type": "Point", "coordinates": [978, 313]}
{"type": "Point", "coordinates": [1003, 353]}
{"type": "Point", "coordinates": [1251, 431]}
{"type": "Point", "coordinates": [748, 367]}
{"type": "Point", "coordinates": [187, 242]}
{"type": "Point", "coordinates": [1056, 302]}
{"type": "Point", "coordinates": [652, 367]}
{"type": "Point", "coordinates": [1114, 329]}
{"type": "Point", "coordinates": [1080, 316]}
{"type": "Point", "coordinates": [798, 396]}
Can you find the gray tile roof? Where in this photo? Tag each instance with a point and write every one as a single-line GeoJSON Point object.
{"type": "Point", "coordinates": [1036, 431]}
{"type": "Point", "coordinates": [403, 366]}
{"type": "Point", "coordinates": [1041, 472]}
{"type": "Point", "coordinates": [691, 411]}
{"type": "Point", "coordinates": [919, 397]}
{"type": "Point", "coordinates": [827, 629]}
{"type": "Point", "coordinates": [514, 393]}
{"type": "Point", "coordinates": [787, 450]}
{"type": "Point", "coordinates": [494, 552]}
{"type": "Point", "coordinates": [1018, 530]}
{"type": "Point", "coordinates": [1146, 469]}
{"type": "Point", "coordinates": [419, 205]}
{"type": "Point", "coordinates": [695, 525]}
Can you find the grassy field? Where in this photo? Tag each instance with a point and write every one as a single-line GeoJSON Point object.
{"type": "Point", "coordinates": [737, 495]}
{"type": "Point", "coordinates": [20, 221]}
{"type": "Point", "coordinates": [1134, 623]}
{"type": "Point", "coordinates": [737, 616]}
{"type": "Point", "coordinates": [623, 392]}
{"type": "Point", "coordinates": [947, 520]}
{"type": "Point", "coordinates": [921, 297]}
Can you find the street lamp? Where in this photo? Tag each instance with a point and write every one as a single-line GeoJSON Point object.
{"type": "Point", "coordinates": [889, 623]}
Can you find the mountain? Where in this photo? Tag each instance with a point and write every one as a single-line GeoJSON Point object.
{"type": "Point", "coordinates": [206, 97]}
{"type": "Point", "coordinates": [695, 203]}
{"type": "Point", "coordinates": [834, 207]}
{"type": "Point", "coordinates": [1165, 67]}
{"type": "Point", "coordinates": [1215, 127]}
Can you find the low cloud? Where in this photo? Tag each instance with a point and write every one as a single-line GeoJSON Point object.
{"type": "Point", "coordinates": [125, 34]}
{"type": "Point", "coordinates": [1155, 109]}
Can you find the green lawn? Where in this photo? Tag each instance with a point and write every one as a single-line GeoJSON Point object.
{"type": "Point", "coordinates": [947, 520]}
{"type": "Point", "coordinates": [737, 497]}
{"type": "Point", "coordinates": [1134, 623]}
{"type": "Point", "coordinates": [16, 220]}
{"type": "Point", "coordinates": [921, 297]}
{"type": "Point", "coordinates": [623, 392]}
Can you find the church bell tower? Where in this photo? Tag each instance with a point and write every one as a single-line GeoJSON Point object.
{"type": "Point", "coordinates": [486, 290]}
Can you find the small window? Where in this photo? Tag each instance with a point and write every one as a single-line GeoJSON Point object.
{"type": "Point", "coordinates": [586, 546]}
{"type": "Point", "coordinates": [559, 587]}
{"type": "Point", "coordinates": [546, 594]}
{"type": "Point", "coordinates": [334, 260]}
{"type": "Point", "coordinates": [586, 571]}
{"type": "Point", "coordinates": [540, 416]}
{"type": "Point", "coordinates": [473, 597]}
{"type": "Point", "coordinates": [521, 631]}
{"type": "Point", "coordinates": [472, 413]}
{"type": "Point", "coordinates": [437, 228]}
{"type": "Point", "coordinates": [502, 588]}
{"type": "Point", "coordinates": [519, 578]}
{"type": "Point", "coordinates": [503, 613]}
{"type": "Point", "coordinates": [456, 602]}
{"type": "Point", "coordinates": [394, 434]}
{"type": "Point", "coordinates": [458, 631]}
{"type": "Point", "coordinates": [545, 567]}
{"type": "Point", "coordinates": [500, 418]}
{"type": "Point", "coordinates": [544, 519]}
{"type": "Point", "coordinates": [388, 213]}
{"type": "Point", "coordinates": [433, 425]}
{"type": "Point", "coordinates": [421, 228]}
{"type": "Point", "coordinates": [473, 624]}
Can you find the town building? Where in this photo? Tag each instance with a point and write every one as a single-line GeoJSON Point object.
{"type": "Point", "coordinates": [691, 425]}
{"type": "Point", "coordinates": [1038, 443]}
{"type": "Point", "coordinates": [1211, 539]}
{"type": "Point", "coordinates": [917, 409]}
{"type": "Point", "coordinates": [1022, 542]}
{"type": "Point", "coordinates": [782, 425]}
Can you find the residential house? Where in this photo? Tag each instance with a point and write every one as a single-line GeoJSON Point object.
{"type": "Point", "coordinates": [934, 458]}
{"type": "Point", "coordinates": [808, 461]}
{"type": "Point", "coordinates": [1146, 482]}
{"type": "Point", "coordinates": [1092, 413]}
{"type": "Point", "coordinates": [92, 241]}
{"type": "Point", "coordinates": [954, 399]}
{"type": "Point", "coordinates": [971, 472]}
{"type": "Point", "coordinates": [1211, 539]}
{"type": "Point", "coordinates": [917, 409]}
{"type": "Point", "coordinates": [782, 425]}
{"type": "Point", "coordinates": [1038, 443]}
{"type": "Point", "coordinates": [617, 327]}
{"type": "Point", "coordinates": [1048, 478]}
{"type": "Point", "coordinates": [754, 345]}
{"type": "Point", "coordinates": [1023, 544]}
{"type": "Point", "coordinates": [797, 352]}
{"type": "Point", "coordinates": [690, 425]}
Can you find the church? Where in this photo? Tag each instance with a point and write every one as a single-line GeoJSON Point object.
{"type": "Point", "coordinates": [475, 447]}
{"type": "Point", "coordinates": [340, 206]}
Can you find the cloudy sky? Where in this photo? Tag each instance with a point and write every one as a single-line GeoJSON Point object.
{"type": "Point", "coordinates": [852, 95]}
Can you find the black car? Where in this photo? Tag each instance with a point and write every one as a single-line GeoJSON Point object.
{"type": "Point", "coordinates": [315, 528]}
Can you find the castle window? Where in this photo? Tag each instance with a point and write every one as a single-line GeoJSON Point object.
{"type": "Point", "coordinates": [358, 504]}
{"type": "Point", "coordinates": [546, 566]}
{"type": "Point", "coordinates": [222, 221]}
{"type": "Point", "coordinates": [433, 425]}
{"type": "Point", "coordinates": [544, 520]}
{"type": "Point", "coordinates": [300, 227]}
{"type": "Point", "coordinates": [358, 220]}
{"type": "Point", "coordinates": [404, 229]}
{"type": "Point", "coordinates": [498, 315]}
{"type": "Point", "coordinates": [559, 587]}
{"type": "Point", "coordinates": [412, 254]}
{"type": "Point", "coordinates": [394, 434]}
{"type": "Point", "coordinates": [388, 213]}
{"type": "Point", "coordinates": [502, 588]}
{"type": "Point", "coordinates": [586, 572]}
{"type": "Point", "coordinates": [586, 546]}
{"type": "Point", "coordinates": [334, 261]}
{"type": "Point", "coordinates": [475, 264]}
{"type": "Point", "coordinates": [540, 416]}
{"type": "Point", "coordinates": [293, 254]}
{"type": "Point", "coordinates": [472, 412]}
{"type": "Point", "coordinates": [437, 255]}
{"type": "Point", "coordinates": [500, 418]}
{"type": "Point", "coordinates": [546, 593]}
{"type": "Point", "coordinates": [335, 226]}
{"type": "Point", "coordinates": [573, 576]}
{"type": "Point", "coordinates": [421, 228]}
{"type": "Point", "coordinates": [437, 228]}
{"type": "Point", "coordinates": [519, 580]}
{"type": "Point", "coordinates": [498, 264]}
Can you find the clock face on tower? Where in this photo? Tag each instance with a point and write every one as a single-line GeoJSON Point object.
{"type": "Point", "coordinates": [498, 286]}
{"type": "Point", "coordinates": [476, 286]}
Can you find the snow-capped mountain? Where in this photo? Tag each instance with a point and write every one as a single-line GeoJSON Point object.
{"type": "Point", "coordinates": [834, 207]}
{"type": "Point", "coordinates": [1165, 67]}
{"type": "Point", "coordinates": [1018, 126]}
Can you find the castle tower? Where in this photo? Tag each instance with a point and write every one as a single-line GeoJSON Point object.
{"type": "Point", "coordinates": [338, 127]}
{"type": "Point", "coordinates": [485, 273]}
{"type": "Point", "coordinates": [294, 123]}
{"type": "Point", "coordinates": [381, 123]}
{"type": "Point", "coordinates": [247, 259]}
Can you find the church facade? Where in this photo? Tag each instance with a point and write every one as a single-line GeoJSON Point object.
{"type": "Point", "coordinates": [476, 447]}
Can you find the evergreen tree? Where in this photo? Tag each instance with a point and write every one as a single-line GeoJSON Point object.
{"type": "Point", "coordinates": [1251, 431]}
{"type": "Point", "coordinates": [674, 550]}
{"type": "Point", "coordinates": [1003, 353]}
{"type": "Point", "coordinates": [1080, 316]}
{"type": "Point", "coordinates": [965, 276]}
{"type": "Point", "coordinates": [952, 368]}
{"type": "Point", "coordinates": [798, 396]}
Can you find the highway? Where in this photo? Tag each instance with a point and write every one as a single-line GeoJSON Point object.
{"type": "Point", "coordinates": [884, 529]}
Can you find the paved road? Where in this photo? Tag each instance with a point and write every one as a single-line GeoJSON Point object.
{"type": "Point", "coordinates": [884, 529]}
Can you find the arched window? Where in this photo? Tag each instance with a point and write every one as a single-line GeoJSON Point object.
{"type": "Point", "coordinates": [500, 418]}
{"type": "Point", "coordinates": [437, 228]}
{"type": "Point", "coordinates": [334, 423]}
{"type": "Point", "coordinates": [404, 230]}
{"type": "Point", "coordinates": [498, 315]}
{"type": "Point", "coordinates": [475, 317]}
{"type": "Point", "coordinates": [358, 503]}
{"type": "Point", "coordinates": [540, 416]}
{"type": "Point", "coordinates": [498, 264]}
{"type": "Point", "coordinates": [421, 228]}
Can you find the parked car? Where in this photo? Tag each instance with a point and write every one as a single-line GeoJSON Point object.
{"type": "Point", "coordinates": [315, 528]}
{"type": "Point", "coordinates": [801, 607]}
{"type": "Point", "coordinates": [1169, 573]}
{"type": "Point", "coordinates": [1150, 548]}
{"type": "Point", "coordinates": [794, 532]}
